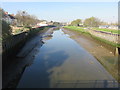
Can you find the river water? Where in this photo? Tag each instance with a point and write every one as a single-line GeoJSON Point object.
{"type": "Point", "coordinates": [63, 63]}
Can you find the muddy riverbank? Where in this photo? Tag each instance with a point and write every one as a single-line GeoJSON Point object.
{"type": "Point", "coordinates": [102, 52]}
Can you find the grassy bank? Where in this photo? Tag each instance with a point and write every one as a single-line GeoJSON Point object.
{"type": "Point", "coordinates": [107, 30]}
{"type": "Point", "coordinates": [83, 31]}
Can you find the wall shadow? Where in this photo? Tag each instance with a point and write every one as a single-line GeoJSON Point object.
{"type": "Point", "coordinates": [13, 66]}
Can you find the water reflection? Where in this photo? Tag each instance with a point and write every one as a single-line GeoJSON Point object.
{"type": "Point", "coordinates": [61, 62]}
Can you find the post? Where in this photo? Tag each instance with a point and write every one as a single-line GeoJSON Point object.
{"type": "Point", "coordinates": [117, 51]}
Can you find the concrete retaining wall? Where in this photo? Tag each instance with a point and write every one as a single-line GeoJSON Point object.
{"type": "Point", "coordinates": [105, 35]}
{"type": "Point", "coordinates": [11, 46]}
{"type": "Point", "coordinates": [14, 40]}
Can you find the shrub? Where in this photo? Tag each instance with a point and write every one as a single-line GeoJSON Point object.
{"type": "Point", "coordinates": [6, 30]}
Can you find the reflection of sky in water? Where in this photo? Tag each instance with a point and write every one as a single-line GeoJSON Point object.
{"type": "Point", "coordinates": [61, 59]}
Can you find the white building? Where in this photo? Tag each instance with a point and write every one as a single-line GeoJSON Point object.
{"type": "Point", "coordinates": [43, 23]}
{"type": "Point", "coordinates": [113, 27]}
{"type": "Point", "coordinates": [103, 26]}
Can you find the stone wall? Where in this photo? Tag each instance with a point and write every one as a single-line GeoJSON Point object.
{"type": "Point", "coordinates": [106, 35]}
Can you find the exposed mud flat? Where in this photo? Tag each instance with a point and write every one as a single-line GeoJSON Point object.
{"type": "Point", "coordinates": [102, 52]}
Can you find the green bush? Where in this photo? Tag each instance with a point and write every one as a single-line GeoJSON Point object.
{"type": "Point", "coordinates": [6, 30]}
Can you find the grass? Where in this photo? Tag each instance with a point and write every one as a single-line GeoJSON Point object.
{"type": "Point", "coordinates": [106, 41]}
{"type": "Point", "coordinates": [82, 30]}
{"type": "Point", "coordinates": [76, 28]}
{"type": "Point", "coordinates": [17, 31]}
{"type": "Point", "coordinates": [107, 30]}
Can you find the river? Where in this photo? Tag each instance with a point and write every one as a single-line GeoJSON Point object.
{"type": "Point", "coordinates": [61, 62]}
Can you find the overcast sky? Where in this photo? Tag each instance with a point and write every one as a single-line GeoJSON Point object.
{"type": "Point", "coordinates": [66, 11]}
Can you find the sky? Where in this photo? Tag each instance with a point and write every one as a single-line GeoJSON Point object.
{"type": "Point", "coordinates": [66, 11]}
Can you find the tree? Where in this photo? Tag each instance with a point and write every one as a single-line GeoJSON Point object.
{"type": "Point", "coordinates": [76, 22]}
{"type": "Point", "coordinates": [103, 23]}
{"type": "Point", "coordinates": [116, 23]}
{"type": "Point", "coordinates": [2, 13]}
{"type": "Point", "coordinates": [6, 29]}
{"type": "Point", "coordinates": [25, 19]}
{"type": "Point", "coordinates": [56, 24]}
{"type": "Point", "coordinates": [92, 22]}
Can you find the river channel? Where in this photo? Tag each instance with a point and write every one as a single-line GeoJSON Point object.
{"type": "Point", "coordinates": [61, 62]}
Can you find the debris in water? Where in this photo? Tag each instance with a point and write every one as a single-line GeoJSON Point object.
{"type": "Point", "coordinates": [91, 62]}
{"type": "Point", "coordinates": [110, 52]}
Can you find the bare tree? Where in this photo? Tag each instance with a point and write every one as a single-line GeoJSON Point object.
{"type": "Point", "coordinates": [26, 19]}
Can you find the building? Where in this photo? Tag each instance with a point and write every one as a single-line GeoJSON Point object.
{"type": "Point", "coordinates": [9, 18]}
{"type": "Point", "coordinates": [103, 26]}
{"type": "Point", "coordinates": [113, 27]}
{"type": "Point", "coordinates": [50, 23]}
{"type": "Point", "coordinates": [42, 23]}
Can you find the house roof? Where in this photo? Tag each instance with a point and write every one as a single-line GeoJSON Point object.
{"type": "Point", "coordinates": [12, 17]}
